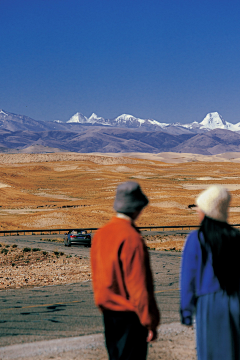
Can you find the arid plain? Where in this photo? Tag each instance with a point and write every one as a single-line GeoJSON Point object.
{"type": "Point", "coordinates": [67, 190]}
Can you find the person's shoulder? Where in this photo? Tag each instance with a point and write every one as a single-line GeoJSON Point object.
{"type": "Point", "coordinates": [193, 235]}
{"type": "Point", "coordinates": [118, 225]}
{"type": "Point", "coordinates": [104, 227]}
{"type": "Point", "coordinates": [192, 241]}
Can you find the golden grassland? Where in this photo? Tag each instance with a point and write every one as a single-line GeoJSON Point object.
{"type": "Point", "coordinates": [67, 190]}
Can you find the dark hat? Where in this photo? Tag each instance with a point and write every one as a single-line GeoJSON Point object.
{"type": "Point", "coordinates": [129, 198]}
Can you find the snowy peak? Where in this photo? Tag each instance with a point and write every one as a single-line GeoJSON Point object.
{"type": "Point", "coordinates": [124, 120]}
{"type": "Point", "coordinates": [125, 117]}
{"type": "Point", "coordinates": [78, 118]}
{"type": "Point", "coordinates": [132, 121]}
{"type": "Point", "coordinates": [193, 125]}
{"type": "Point", "coordinates": [96, 119]}
{"type": "Point", "coordinates": [155, 122]}
{"type": "Point", "coordinates": [129, 120]}
{"type": "Point", "coordinates": [213, 121]}
{"type": "Point", "coordinates": [3, 113]}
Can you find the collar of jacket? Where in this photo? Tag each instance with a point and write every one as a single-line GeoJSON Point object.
{"type": "Point", "coordinates": [123, 216]}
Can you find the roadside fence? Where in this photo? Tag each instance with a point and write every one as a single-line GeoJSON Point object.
{"type": "Point", "coordinates": [63, 231]}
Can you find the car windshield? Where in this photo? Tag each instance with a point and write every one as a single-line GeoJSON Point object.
{"type": "Point", "coordinates": [76, 232]}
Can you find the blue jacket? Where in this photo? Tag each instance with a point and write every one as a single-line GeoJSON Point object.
{"type": "Point", "coordinates": [196, 278]}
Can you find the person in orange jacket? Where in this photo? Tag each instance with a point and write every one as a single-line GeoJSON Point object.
{"type": "Point", "coordinates": [122, 279]}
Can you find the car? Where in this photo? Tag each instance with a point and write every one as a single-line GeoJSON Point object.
{"type": "Point", "coordinates": [78, 236]}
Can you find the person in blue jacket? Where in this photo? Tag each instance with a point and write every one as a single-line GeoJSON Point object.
{"type": "Point", "coordinates": [210, 279]}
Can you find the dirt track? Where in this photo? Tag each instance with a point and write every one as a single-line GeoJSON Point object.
{"type": "Point", "coordinates": [175, 342]}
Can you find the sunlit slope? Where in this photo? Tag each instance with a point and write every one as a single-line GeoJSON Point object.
{"type": "Point", "coordinates": [67, 190]}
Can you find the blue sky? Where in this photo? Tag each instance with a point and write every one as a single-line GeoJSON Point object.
{"type": "Point", "coordinates": [169, 60]}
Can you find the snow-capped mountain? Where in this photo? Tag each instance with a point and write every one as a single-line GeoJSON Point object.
{"type": "Point", "coordinates": [127, 120]}
{"type": "Point", "coordinates": [125, 133]}
{"type": "Point", "coordinates": [124, 120]}
{"type": "Point", "coordinates": [216, 121]}
{"type": "Point", "coordinates": [96, 119]}
{"type": "Point", "coordinates": [3, 113]}
{"type": "Point", "coordinates": [211, 121]}
{"type": "Point", "coordinates": [78, 118]}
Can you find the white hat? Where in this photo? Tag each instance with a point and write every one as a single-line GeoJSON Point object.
{"type": "Point", "coordinates": [214, 202]}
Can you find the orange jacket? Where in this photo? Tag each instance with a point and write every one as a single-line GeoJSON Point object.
{"type": "Point", "coordinates": [122, 278]}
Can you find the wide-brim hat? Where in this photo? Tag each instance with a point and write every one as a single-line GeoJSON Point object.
{"type": "Point", "coordinates": [129, 198]}
{"type": "Point", "coordinates": [214, 202]}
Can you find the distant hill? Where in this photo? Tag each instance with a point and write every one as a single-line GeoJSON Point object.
{"type": "Point", "coordinates": [214, 142]}
{"type": "Point", "coordinates": [19, 133]}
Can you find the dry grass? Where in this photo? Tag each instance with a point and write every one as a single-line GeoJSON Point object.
{"type": "Point", "coordinates": [77, 190]}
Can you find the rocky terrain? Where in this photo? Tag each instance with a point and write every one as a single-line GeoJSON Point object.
{"type": "Point", "coordinates": [34, 267]}
{"type": "Point", "coordinates": [22, 267]}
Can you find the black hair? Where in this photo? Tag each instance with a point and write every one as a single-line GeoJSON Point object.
{"type": "Point", "coordinates": [224, 242]}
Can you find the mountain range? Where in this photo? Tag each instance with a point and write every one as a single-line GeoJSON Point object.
{"type": "Point", "coordinates": [210, 122]}
{"type": "Point", "coordinates": [125, 133]}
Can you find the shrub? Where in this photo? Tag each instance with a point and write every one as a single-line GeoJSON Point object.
{"type": "Point", "coordinates": [36, 249]}
{"type": "Point", "coordinates": [45, 252]}
{"type": "Point", "coordinates": [26, 249]}
{"type": "Point", "coordinates": [4, 251]}
{"type": "Point", "coordinates": [14, 246]}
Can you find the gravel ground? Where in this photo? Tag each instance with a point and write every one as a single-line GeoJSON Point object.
{"type": "Point", "coordinates": [30, 266]}
{"type": "Point", "coordinates": [175, 342]}
{"type": "Point", "coordinates": [34, 267]}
